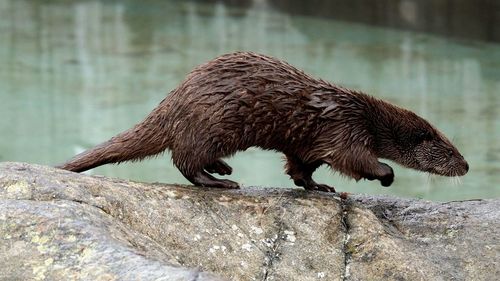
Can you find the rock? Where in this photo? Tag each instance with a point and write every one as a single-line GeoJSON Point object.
{"type": "Point", "coordinates": [397, 239]}
{"type": "Point", "coordinates": [59, 225]}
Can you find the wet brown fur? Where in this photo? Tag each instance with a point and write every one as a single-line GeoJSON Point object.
{"type": "Point", "coordinates": [245, 99]}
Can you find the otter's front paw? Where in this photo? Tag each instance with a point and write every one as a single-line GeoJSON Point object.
{"type": "Point", "coordinates": [387, 177]}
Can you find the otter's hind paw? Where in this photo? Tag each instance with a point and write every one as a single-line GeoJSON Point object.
{"type": "Point", "coordinates": [220, 167]}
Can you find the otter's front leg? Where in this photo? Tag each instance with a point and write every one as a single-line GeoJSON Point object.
{"type": "Point", "coordinates": [381, 172]}
{"type": "Point", "coordinates": [360, 163]}
{"type": "Point", "coordinates": [301, 174]}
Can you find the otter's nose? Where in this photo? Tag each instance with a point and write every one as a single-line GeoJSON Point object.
{"type": "Point", "coordinates": [466, 166]}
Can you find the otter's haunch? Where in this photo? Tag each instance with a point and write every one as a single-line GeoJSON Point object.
{"type": "Point", "coordinates": [245, 99]}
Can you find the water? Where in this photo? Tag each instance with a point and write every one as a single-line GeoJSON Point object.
{"type": "Point", "coordinates": [73, 74]}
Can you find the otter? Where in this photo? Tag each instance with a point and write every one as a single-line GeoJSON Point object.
{"type": "Point", "coordinates": [245, 99]}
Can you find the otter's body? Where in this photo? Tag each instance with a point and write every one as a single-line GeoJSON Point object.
{"type": "Point", "coordinates": [245, 99]}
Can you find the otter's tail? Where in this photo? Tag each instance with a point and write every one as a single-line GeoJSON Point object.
{"type": "Point", "coordinates": [145, 139]}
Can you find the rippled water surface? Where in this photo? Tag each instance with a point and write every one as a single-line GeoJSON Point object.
{"type": "Point", "coordinates": [75, 73]}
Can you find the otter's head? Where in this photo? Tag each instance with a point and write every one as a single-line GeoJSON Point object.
{"type": "Point", "coordinates": [418, 145]}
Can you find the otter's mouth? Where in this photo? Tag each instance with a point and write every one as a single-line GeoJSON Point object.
{"type": "Point", "coordinates": [461, 171]}
{"type": "Point", "coordinates": [437, 171]}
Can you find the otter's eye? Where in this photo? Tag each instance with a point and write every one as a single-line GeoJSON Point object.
{"type": "Point", "coordinates": [449, 152]}
{"type": "Point", "coordinates": [423, 136]}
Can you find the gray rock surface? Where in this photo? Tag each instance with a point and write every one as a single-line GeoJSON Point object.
{"type": "Point", "coordinates": [58, 225]}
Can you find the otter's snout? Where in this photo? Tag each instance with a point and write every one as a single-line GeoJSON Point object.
{"type": "Point", "coordinates": [464, 169]}
{"type": "Point", "coordinates": [458, 168]}
{"type": "Point", "coordinates": [452, 168]}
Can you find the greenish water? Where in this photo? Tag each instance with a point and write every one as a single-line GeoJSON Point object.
{"type": "Point", "coordinates": [73, 74]}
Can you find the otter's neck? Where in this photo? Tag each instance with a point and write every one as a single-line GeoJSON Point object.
{"type": "Point", "coordinates": [385, 122]}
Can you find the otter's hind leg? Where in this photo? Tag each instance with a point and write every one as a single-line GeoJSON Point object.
{"type": "Point", "coordinates": [202, 178]}
{"type": "Point", "coordinates": [191, 164]}
{"type": "Point", "coordinates": [220, 167]}
{"type": "Point", "coordinates": [301, 173]}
